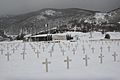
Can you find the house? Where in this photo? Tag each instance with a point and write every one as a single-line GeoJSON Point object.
{"type": "Point", "coordinates": [59, 37]}
{"type": "Point", "coordinates": [48, 37]}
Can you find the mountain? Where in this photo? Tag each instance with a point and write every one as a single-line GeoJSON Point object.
{"type": "Point", "coordinates": [49, 18]}
{"type": "Point", "coordinates": [35, 21]}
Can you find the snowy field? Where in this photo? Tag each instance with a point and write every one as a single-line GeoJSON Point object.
{"type": "Point", "coordinates": [82, 59]}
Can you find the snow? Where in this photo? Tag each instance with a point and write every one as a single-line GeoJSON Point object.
{"type": "Point", "coordinates": [100, 15]}
{"type": "Point", "coordinates": [49, 12]}
{"type": "Point", "coordinates": [40, 17]}
{"type": "Point", "coordinates": [31, 67]}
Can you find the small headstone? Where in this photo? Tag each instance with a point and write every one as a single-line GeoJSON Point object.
{"type": "Point", "coordinates": [8, 56]}
{"type": "Point", "coordinates": [7, 46]}
{"type": "Point", "coordinates": [101, 58]}
{"type": "Point", "coordinates": [101, 48]}
{"type": "Point", "coordinates": [68, 62]}
{"type": "Point", "coordinates": [93, 49]}
{"type": "Point", "coordinates": [50, 53]}
{"type": "Point", "coordinates": [63, 51]}
{"type": "Point", "coordinates": [38, 53]}
{"type": "Point", "coordinates": [13, 50]}
{"type": "Point", "coordinates": [86, 60]}
{"type": "Point", "coordinates": [39, 46]}
{"type": "Point", "coordinates": [43, 48]}
{"type": "Point", "coordinates": [23, 54]}
{"type": "Point", "coordinates": [109, 48]}
{"type": "Point", "coordinates": [118, 44]}
{"type": "Point", "coordinates": [33, 49]}
{"type": "Point", "coordinates": [74, 51]}
{"type": "Point", "coordinates": [83, 50]}
{"type": "Point", "coordinates": [46, 64]}
{"type": "Point", "coordinates": [1, 51]}
{"type": "Point", "coordinates": [115, 56]}
{"type": "Point", "coordinates": [89, 45]}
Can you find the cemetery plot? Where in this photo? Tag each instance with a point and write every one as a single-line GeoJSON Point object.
{"type": "Point", "coordinates": [44, 57]}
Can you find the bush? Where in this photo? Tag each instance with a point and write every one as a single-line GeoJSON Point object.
{"type": "Point", "coordinates": [107, 36]}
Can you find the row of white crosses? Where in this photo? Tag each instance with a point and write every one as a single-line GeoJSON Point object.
{"type": "Point", "coordinates": [24, 53]}
{"type": "Point", "coordinates": [68, 60]}
{"type": "Point", "coordinates": [37, 53]}
{"type": "Point", "coordinates": [86, 58]}
{"type": "Point", "coordinates": [52, 49]}
{"type": "Point", "coordinates": [8, 53]}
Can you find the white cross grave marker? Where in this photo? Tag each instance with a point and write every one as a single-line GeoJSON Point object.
{"type": "Point", "coordinates": [43, 48]}
{"type": "Point", "coordinates": [8, 56]}
{"type": "Point", "coordinates": [63, 51]}
{"type": "Point", "coordinates": [7, 46]}
{"type": "Point", "coordinates": [23, 54]}
{"type": "Point", "coordinates": [74, 51]}
{"type": "Point", "coordinates": [86, 60]}
{"type": "Point", "coordinates": [13, 50]}
{"type": "Point", "coordinates": [1, 51]}
{"type": "Point", "coordinates": [68, 62]}
{"type": "Point", "coordinates": [115, 56]}
{"type": "Point", "coordinates": [109, 48]}
{"type": "Point", "coordinates": [38, 53]}
{"type": "Point", "coordinates": [93, 49]}
{"type": "Point", "coordinates": [46, 64]}
{"type": "Point", "coordinates": [118, 43]}
{"type": "Point", "coordinates": [101, 58]}
{"type": "Point", "coordinates": [39, 46]}
{"type": "Point", "coordinates": [101, 48]}
{"type": "Point", "coordinates": [83, 50]}
{"type": "Point", "coordinates": [50, 53]}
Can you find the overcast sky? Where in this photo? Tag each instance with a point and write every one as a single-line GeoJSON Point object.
{"type": "Point", "coordinates": [23, 6]}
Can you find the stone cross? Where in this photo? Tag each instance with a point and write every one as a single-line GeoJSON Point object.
{"type": "Point", "coordinates": [8, 56]}
{"type": "Point", "coordinates": [76, 46]}
{"type": "Point", "coordinates": [102, 42]}
{"type": "Point", "coordinates": [2, 51]}
{"type": "Point", "coordinates": [53, 48]}
{"type": "Point", "coordinates": [74, 51]}
{"type": "Point", "coordinates": [63, 51]}
{"type": "Point", "coordinates": [23, 54]}
{"type": "Point", "coordinates": [38, 53]}
{"type": "Point", "coordinates": [33, 49]}
{"type": "Point", "coordinates": [118, 43]}
{"type": "Point", "coordinates": [16, 47]}
{"type": "Point", "coordinates": [24, 49]}
{"type": "Point", "coordinates": [115, 56]}
{"type": "Point", "coordinates": [7, 46]}
{"type": "Point", "coordinates": [69, 47]}
{"type": "Point", "coordinates": [46, 64]}
{"type": "Point", "coordinates": [50, 53]}
{"type": "Point", "coordinates": [68, 62]}
{"type": "Point", "coordinates": [93, 49]}
{"type": "Point", "coordinates": [101, 58]}
{"type": "Point", "coordinates": [83, 50]}
{"type": "Point", "coordinates": [13, 50]}
{"type": "Point", "coordinates": [101, 48]}
{"type": "Point", "coordinates": [39, 46]}
{"type": "Point", "coordinates": [43, 48]}
{"type": "Point", "coordinates": [109, 48]}
{"type": "Point", "coordinates": [89, 45]}
{"type": "Point", "coordinates": [86, 60]}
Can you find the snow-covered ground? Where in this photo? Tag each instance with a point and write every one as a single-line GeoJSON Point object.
{"type": "Point", "coordinates": [89, 59]}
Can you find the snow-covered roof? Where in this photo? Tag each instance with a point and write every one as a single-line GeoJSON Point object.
{"type": "Point", "coordinates": [27, 35]}
{"type": "Point", "coordinates": [40, 35]}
